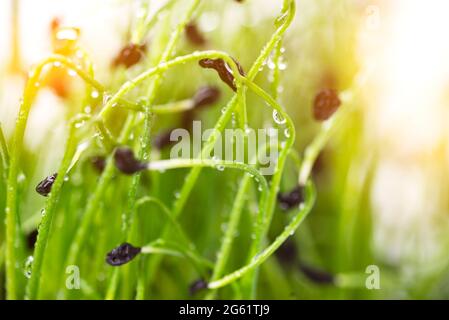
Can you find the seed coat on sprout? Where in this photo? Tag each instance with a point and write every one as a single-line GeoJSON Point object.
{"type": "Point", "coordinates": [126, 162]}
{"type": "Point", "coordinates": [197, 286]}
{"type": "Point", "coordinates": [122, 254]}
{"type": "Point", "coordinates": [194, 34]}
{"type": "Point", "coordinates": [325, 104]}
{"type": "Point", "coordinates": [223, 70]}
{"type": "Point", "coordinates": [44, 187]}
{"type": "Point", "coordinates": [206, 96]}
{"type": "Point", "coordinates": [317, 276]}
{"type": "Point", "coordinates": [129, 55]}
{"type": "Point", "coordinates": [291, 199]}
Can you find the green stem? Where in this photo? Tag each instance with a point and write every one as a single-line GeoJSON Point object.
{"type": "Point", "coordinates": [194, 173]}
{"type": "Point", "coordinates": [259, 258]}
{"type": "Point", "coordinates": [12, 215]}
{"type": "Point", "coordinates": [145, 144]}
{"type": "Point", "coordinates": [4, 153]}
{"type": "Point", "coordinates": [32, 290]}
{"type": "Point", "coordinates": [265, 216]}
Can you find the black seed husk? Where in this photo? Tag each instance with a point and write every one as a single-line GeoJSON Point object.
{"type": "Point", "coordinates": [44, 187]}
{"type": "Point", "coordinates": [162, 139]}
{"type": "Point", "coordinates": [291, 199]}
{"type": "Point", "coordinates": [129, 55]}
{"type": "Point", "coordinates": [317, 276]}
{"type": "Point", "coordinates": [197, 286]}
{"type": "Point", "coordinates": [287, 253]}
{"type": "Point", "coordinates": [98, 162]}
{"type": "Point", "coordinates": [206, 96]}
{"type": "Point", "coordinates": [223, 70]}
{"type": "Point", "coordinates": [194, 35]}
{"type": "Point", "coordinates": [126, 162]}
{"type": "Point", "coordinates": [31, 239]}
{"type": "Point", "coordinates": [325, 104]}
{"type": "Point", "coordinates": [124, 253]}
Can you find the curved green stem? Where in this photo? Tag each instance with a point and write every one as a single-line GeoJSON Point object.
{"type": "Point", "coordinates": [163, 67]}
{"type": "Point", "coordinates": [287, 15]}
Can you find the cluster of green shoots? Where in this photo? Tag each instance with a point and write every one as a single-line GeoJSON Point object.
{"type": "Point", "coordinates": [172, 239]}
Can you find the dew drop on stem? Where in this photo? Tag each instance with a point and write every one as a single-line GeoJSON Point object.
{"type": "Point", "coordinates": [28, 266]}
{"type": "Point", "coordinates": [278, 118]}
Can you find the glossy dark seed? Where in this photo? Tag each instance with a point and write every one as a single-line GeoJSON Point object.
{"type": "Point", "coordinates": [287, 253]}
{"type": "Point", "coordinates": [130, 55]}
{"type": "Point", "coordinates": [291, 199]}
{"type": "Point", "coordinates": [124, 253]}
{"type": "Point", "coordinates": [31, 239]}
{"type": "Point", "coordinates": [223, 70]}
{"type": "Point", "coordinates": [126, 162]}
{"type": "Point", "coordinates": [162, 140]}
{"type": "Point", "coordinates": [206, 96]}
{"type": "Point", "coordinates": [194, 35]}
{"type": "Point", "coordinates": [317, 276]}
{"type": "Point", "coordinates": [325, 104]}
{"type": "Point", "coordinates": [197, 286]}
{"type": "Point", "coordinates": [44, 187]}
{"type": "Point", "coordinates": [98, 162]}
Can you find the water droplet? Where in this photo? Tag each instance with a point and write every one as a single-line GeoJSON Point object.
{"type": "Point", "coordinates": [79, 124]}
{"type": "Point", "coordinates": [278, 118]}
{"type": "Point", "coordinates": [57, 64]}
{"type": "Point", "coordinates": [42, 212]}
{"type": "Point", "coordinates": [106, 98]}
{"type": "Point", "coordinates": [95, 94]}
{"type": "Point", "coordinates": [28, 266]}
{"type": "Point", "coordinates": [87, 109]}
{"type": "Point", "coordinates": [271, 64]}
{"type": "Point", "coordinates": [220, 167]}
{"type": "Point", "coordinates": [177, 194]}
{"type": "Point", "coordinates": [287, 132]}
{"type": "Point", "coordinates": [282, 64]}
{"type": "Point", "coordinates": [21, 178]}
{"type": "Point", "coordinates": [72, 73]}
